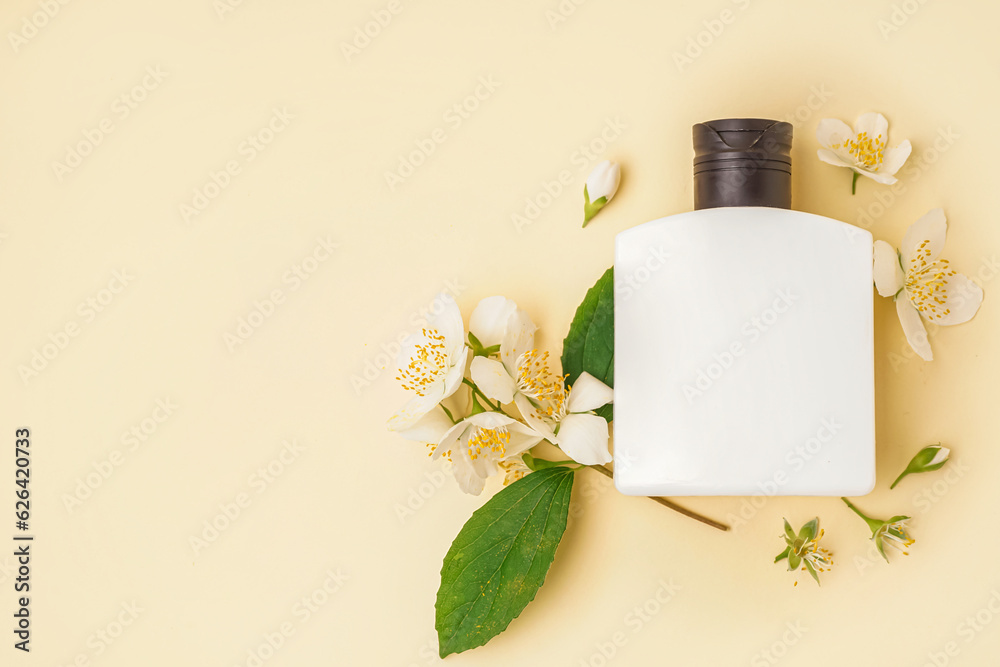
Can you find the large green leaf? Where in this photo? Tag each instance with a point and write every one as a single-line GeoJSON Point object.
{"type": "Point", "coordinates": [590, 344]}
{"type": "Point", "coordinates": [500, 558]}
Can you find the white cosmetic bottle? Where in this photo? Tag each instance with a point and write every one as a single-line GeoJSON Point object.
{"type": "Point", "coordinates": [744, 360]}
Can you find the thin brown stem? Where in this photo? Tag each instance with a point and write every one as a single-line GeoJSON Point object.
{"type": "Point", "coordinates": [672, 505]}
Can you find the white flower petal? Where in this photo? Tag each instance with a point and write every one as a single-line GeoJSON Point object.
{"type": "Point", "coordinates": [522, 438]}
{"type": "Point", "coordinates": [913, 327]}
{"type": "Point", "coordinates": [603, 180]}
{"type": "Point", "coordinates": [874, 124]}
{"type": "Point", "coordinates": [962, 297]}
{"type": "Point", "coordinates": [453, 380]}
{"type": "Point", "coordinates": [448, 321]}
{"type": "Point", "coordinates": [939, 456]}
{"type": "Point", "coordinates": [408, 349]}
{"type": "Point", "coordinates": [832, 132]}
{"type": "Point", "coordinates": [489, 319]}
{"type": "Point", "coordinates": [451, 439]}
{"type": "Point", "coordinates": [490, 419]}
{"type": "Point", "coordinates": [431, 428]}
{"type": "Point", "coordinates": [485, 466]}
{"type": "Point", "coordinates": [885, 179]}
{"type": "Point", "coordinates": [588, 393]}
{"type": "Point", "coordinates": [932, 227]}
{"type": "Point", "coordinates": [466, 474]}
{"type": "Point", "coordinates": [888, 273]}
{"type": "Point", "coordinates": [830, 157]}
{"type": "Point", "coordinates": [415, 409]}
{"type": "Point", "coordinates": [584, 438]}
{"type": "Point", "coordinates": [518, 339]}
{"type": "Point", "coordinates": [493, 379]}
{"type": "Point", "coordinates": [527, 411]}
{"type": "Point", "coordinates": [893, 158]}
{"type": "Point", "coordinates": [456, 441]}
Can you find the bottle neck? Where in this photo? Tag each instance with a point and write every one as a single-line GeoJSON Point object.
{"type": "Point", "coordinates": [744, 183]}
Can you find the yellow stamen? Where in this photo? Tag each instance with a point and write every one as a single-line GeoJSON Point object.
{"type": "Point", "coordinates": [428, 365]}
{"type": "Point", "coordinates": [927, 283]}
{"type": "Point", "coordinates": [867, 151]}
{"type": "Point", "coordinates": [489, 441]}
{"type": "Point", "coordinates": [536, 381]}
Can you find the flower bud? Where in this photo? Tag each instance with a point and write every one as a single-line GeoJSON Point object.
{"type": "Point", "coordinates": [927, 459]}
{"type": "Point", "coordinates": [600, 188]}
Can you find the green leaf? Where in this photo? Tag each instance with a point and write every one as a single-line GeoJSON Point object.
{"type": "Point", "coordinates": [809, 530]}
{"type": "Point", "coordinates": [783, 554]}
{"type": "Point", "coordinates": [474, 343]}
{"type": "Point", "coordinates": [812, 571]}
{"type": "Point", "coordinates": [794, 560]}
{"type": "Point", "coordinates": [789, 533]}
{"type": "Point", "coordinates": [881, 549]}
{"type": "Point", "coordinates": [590, 344]}
{"type": "Point", "coordinates": [541, 464]}
{"type": "Point", "coordinates": [500, 558]}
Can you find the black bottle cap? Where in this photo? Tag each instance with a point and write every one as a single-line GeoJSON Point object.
{"type": "Point", "coordinates": [742, 162]}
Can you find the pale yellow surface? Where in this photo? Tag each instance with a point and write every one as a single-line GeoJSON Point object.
{"type": "Point", "coordinates": [336, 505]}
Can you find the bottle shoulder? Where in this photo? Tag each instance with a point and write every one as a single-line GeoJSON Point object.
{"type": "Point", "coordinates": [726, 219]}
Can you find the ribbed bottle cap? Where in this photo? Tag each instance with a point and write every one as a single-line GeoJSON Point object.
{"type": "Point", "coordinates": [742, 162]}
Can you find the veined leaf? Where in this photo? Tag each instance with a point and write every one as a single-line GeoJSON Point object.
{"type": "Point", "coordinates": [500, 559]}
{"type": "Point", "coordinates": [590, 344]}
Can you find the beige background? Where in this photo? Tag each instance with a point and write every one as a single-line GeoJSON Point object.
{"type": "Point", "coordinates": [359, 502]}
